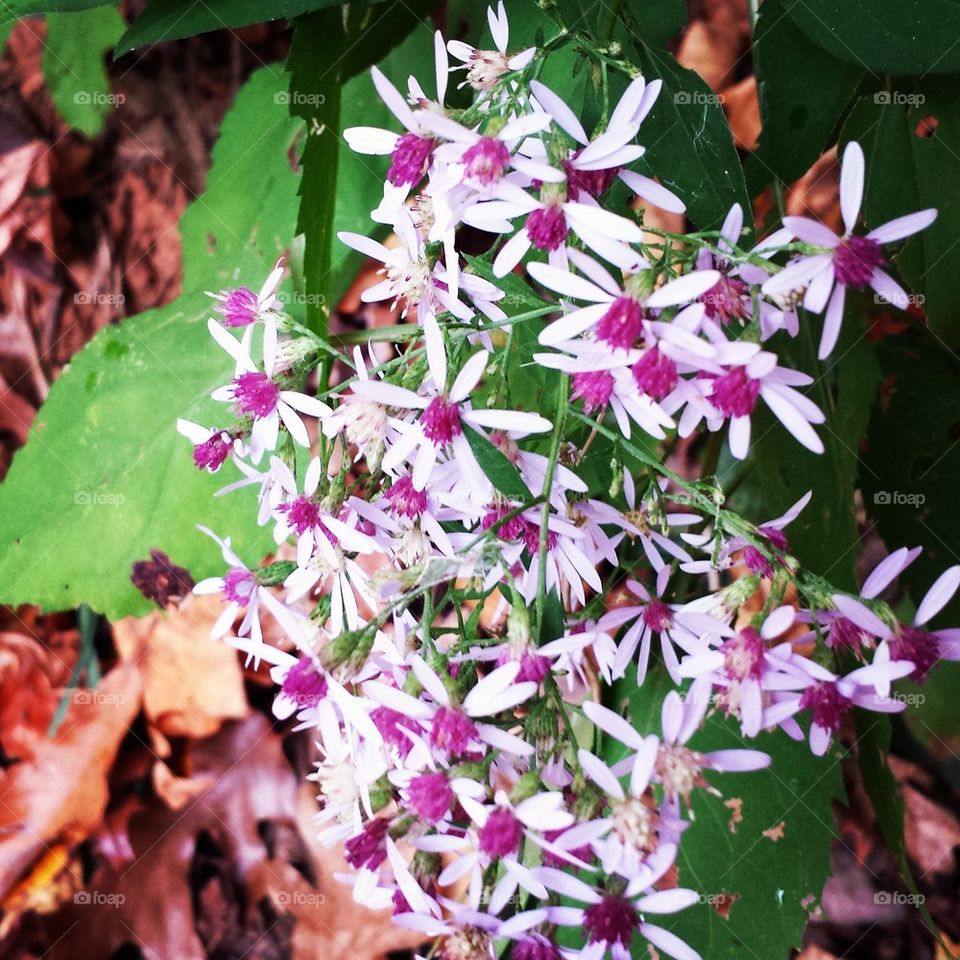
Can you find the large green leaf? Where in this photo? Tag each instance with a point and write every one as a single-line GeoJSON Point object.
{"type": "Point", "coordinates": [884, 36]}
{"type": "Point", "coordinates": [803, 91]}
{"type": "Point", "coordinates": [908, 476]}
{"type": "Point", "coordinates": [164, 20]}
{"type": "Point", "coordinates": [73, 65]}
{"type": "Point", "coordinates": [907, 171]}
{"type": "Point", "coordinates": [314, 96]}
{"type": "Point", "coordinates": [242, 221]}
{"type": "Point", "coordinates": [104, 475]}
{"type": "Point", "coordinates": [688, 140]}
{"type": "Point", "coordinates": [11, 10]}
{"type": "Point", "coordinates": [760, 852]}
{"type": "Point", "coordinates": [825, 537]}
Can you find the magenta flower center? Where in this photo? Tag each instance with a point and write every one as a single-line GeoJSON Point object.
{"type": "Point", "coordinates": [501, 834]}
{"type": "Point", "coordinates": [486, 160]}
{"type": "Point", "coordinates": [409, 159]}
{"type": "Point", "coordinates": [727, 300]}
{"type": "Point", "coordinates": [430, 796]}
{"type": "Point", "coordinates": [211, 454]}
{"type": "Point", "coordinates": [238, 585]}
{"type": "Point", "coordinates": [368, 848]}
{"type": "Point", "coordinates": [657, 615]}
{"type": "Point", "coordinates": [441, 421]}
{"type": "Point", "coordinates": [452, 731]}
{"type": "Point", "coordinates": [535, 947]}
{"type": "Point", "coordinates": [510, 531]}
{"type": "Point", "coordinates": [844, 635]}
{"type": "Point", "coordinates": [594, 387]}
{"type": "Point", "coordinates": [592, 182]}
{"type": "Point", "coordinates": [735, 394]}
{"type": "Point", "coordinates": [389, 722]}
{"type": "Point", "coordinates": [304, 684]}
{"type": "Point", "coordinates": [405, 500]}
{"type": "Point", "coordinates": [655, 374]}
{"type": "Point", "coordinates": [533, 667]}
{"type": "Point", "coordinates": [303, 514]}
{"type": "Point", "coordinates": [531, 537]}
{"type": "Point", "coordinates": [239, 307]}
{"type": "Point", "coordinates": [255, 394]}
{"type": "Point", "coordinates": [547, 228]}
{"type": "Point", "coordinates": [826, 704]}
{"type": "Point", "coordinates": [612, 920]}
{"type": "Point", "coordinates": [855, 259]}
{"type": "Point", "coordinates": [743, 655]}
{"type": "Point", "coordinates": [920, 648]}
{"type": "Point", "coordinates": [757, 562]}
{"type": "Point", "coordinates": [621, 324]}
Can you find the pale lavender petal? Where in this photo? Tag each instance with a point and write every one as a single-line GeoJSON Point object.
{"type": "Point", "coordinates": [613, 724]}
{"type": "Point", "coordinates": [864, 618]}
{"type": "Point", "coordinates": [683, 289]}
{"type": "Point", "coordinates": [939, 595]}
{"type": "Point", "coordinates": [564, 117]}
{"type": "Point", "coordinates": [668, 942]}
{"type": "Point", "coordinates": [832, 321]}
{"type": "Point", "coordinates": [851, 184]}
{"type": "Point", "coordinates": [889, 289]}
{"type": "Point", "coordinates": [738, 761]}
{"type": "Point", "coordinates": [887, 571]}
{"type": "Point", "coordinates": [811, 231]}
{"type": "Point", "coordinates": [903, 226]}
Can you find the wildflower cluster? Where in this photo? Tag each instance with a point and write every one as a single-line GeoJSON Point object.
{"type": "Point", "coordinates": [444, 564]}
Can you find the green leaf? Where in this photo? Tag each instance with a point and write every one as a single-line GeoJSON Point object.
{"type": "Point", "coordinates": [242, 221]}
{"type": "Point", "coordinates": [314, 96]}
{"type": "Point", "coordinates": [803, 92]}
{"type": "Point", "coordinates": [374, 30]}
{"type": "Point", "coordinates": [73, 65]}
{"type": "Point", "coordinates": [689, 145]}
{"type": "Point", "coordinates": [105, 477]}
{"type": "Point", "coordinates": [497, 468]}
{"type": "Point", "coordinates": [825, 536]}
{"type": "Point", "coordinates": [655, 22]}
{"type": "Point", "coordinates": [885, 36]}
{"type": "Point", "coordinates": [164, 20]}
{"type": "Point", "coordinates": [760, 852]}
{"type": "Point", "coordinates": [911, 459]}
{"type": "Point", "coordinates": [907, 171]}
{"type": "Point", "coordinates": [11, 10]}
